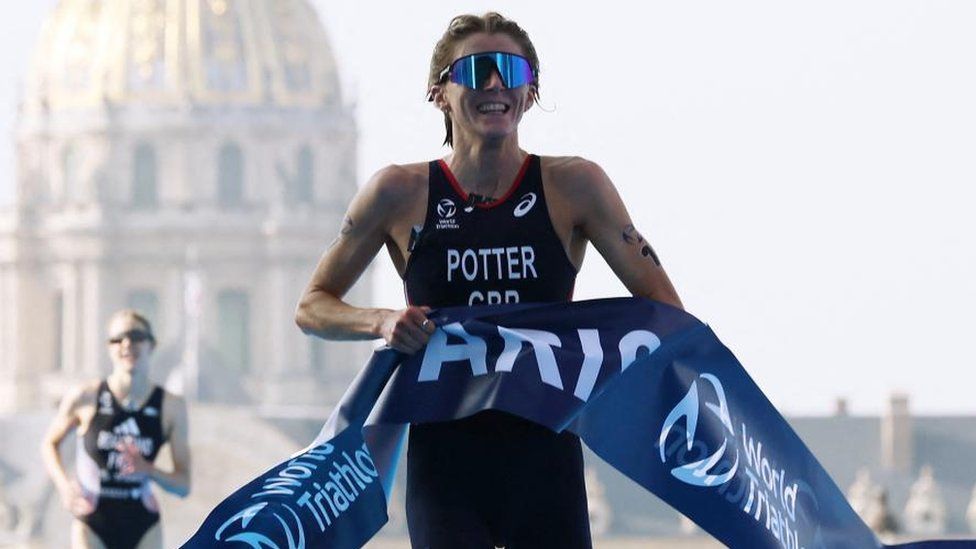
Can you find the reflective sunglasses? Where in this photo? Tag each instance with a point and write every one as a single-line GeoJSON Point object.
{"type": "Point", "coordinates": [473, 71]}
{"type": "Point", "coordinates": [135, 336]}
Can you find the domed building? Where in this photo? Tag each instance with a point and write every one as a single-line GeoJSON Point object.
{"type": "Point", "coordinates": [191, 159]}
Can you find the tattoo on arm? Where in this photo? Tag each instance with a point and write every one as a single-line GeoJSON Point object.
{"type": "Point", "coordinates": [347, 225]}
{"type": "Point", "coordinates": [633, 238]}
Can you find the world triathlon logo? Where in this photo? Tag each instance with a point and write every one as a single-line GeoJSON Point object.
{"type": "Point", "coordinates": [294, 534]}
{"type": "Point", "coordinates": [703, 471]}
{"type": "Point", "coordinates": [446, 208]}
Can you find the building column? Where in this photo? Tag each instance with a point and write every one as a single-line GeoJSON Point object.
{"type": "Point", "coordinates": [13, 389]}
{"type": "Point", "coordinates": [72, 320]}
{"type": "Point", "coordinates": [92, 318]}
{"type": "Point", "coordinates": [288, 381]}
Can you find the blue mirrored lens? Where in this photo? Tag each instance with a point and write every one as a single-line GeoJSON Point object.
{"type": "Point", "coordinates": [473, 71]}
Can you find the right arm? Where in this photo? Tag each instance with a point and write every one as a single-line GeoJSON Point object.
{"type": "Point", "coordinates": [65, 420]}
{"type": "Point", "coordinates": [365, 228]}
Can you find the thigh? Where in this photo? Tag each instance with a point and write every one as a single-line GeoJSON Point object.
{"type": "Point", "coordinates": [83, 537]}
{"type": "Point", "coordinates": [153, 538]}
{"type": "Point", "coordinates": [445, 480]}
{"type": "Point", "coordinates": [548, 485]}
{"type": "Point", "coordinates": [444, 527]}
{"type": "Point", "coordinates": [573, 534]}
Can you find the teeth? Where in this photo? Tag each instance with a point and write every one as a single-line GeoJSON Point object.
{"type": "Point", "coordinates": [492, 107]}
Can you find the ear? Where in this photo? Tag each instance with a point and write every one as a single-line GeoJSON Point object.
{"type": "Point", "coordinates": [436, 95]}
{"type": "Point", "coordinates": [533, 97]}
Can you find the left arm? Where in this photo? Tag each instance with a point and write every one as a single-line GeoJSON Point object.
{"type": "Point", "coordinates": [175, 424]}
{"type": "Point", "coordinates": [604, 221]}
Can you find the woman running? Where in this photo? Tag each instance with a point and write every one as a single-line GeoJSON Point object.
{"type": "Point", "coordinates": [121, 423]}
{"type": "Point", "coordinates": [488, 223]}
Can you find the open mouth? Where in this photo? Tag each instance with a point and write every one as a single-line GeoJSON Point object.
{"type": "Point", "coordinates": [493, 107]}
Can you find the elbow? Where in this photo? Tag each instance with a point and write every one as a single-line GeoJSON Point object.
{"type": "Point", "coordinates": [48, 448]}
{"type": "Point", "coordinates": [302, 318]}
{"type": "Point", "coordinates": [310, 310]}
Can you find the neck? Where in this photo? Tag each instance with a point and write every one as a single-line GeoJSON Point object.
{"type": "Point", "coordinates": [486, 168]}
{"type": "Point", "coordinates": [128, 384]}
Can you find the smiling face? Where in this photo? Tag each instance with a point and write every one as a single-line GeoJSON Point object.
{"type": "Point", "coordinates": [129, 347]}
{"type": "Point", "coordinates": [493, 112]}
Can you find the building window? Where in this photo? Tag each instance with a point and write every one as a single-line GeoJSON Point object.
{"type": "Point", "coordinates": [233, 316]}
{"type": "Point", "coordinates": [146, 303]}
{"type": "Point", "coordinates": [230, 176]}
{"type": "Point", "coordinates": [144, 177]}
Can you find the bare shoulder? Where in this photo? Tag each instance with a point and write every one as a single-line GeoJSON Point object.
{"type": "Point", "coordinates": [575, 176]}
{"type": "Point", "coordinates": [174, 410]}
{"type": "Point", "coordinates": [173, 402]}
{"type": "Point", "coordinates": [397, 182]}
{"type": "Point", "coordinates": [86, 393]}
{"type": "Point", "coordinates": [80, 396]}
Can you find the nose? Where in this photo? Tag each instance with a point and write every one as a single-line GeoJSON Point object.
{"type": "Point", "coordinates": [494, 81]}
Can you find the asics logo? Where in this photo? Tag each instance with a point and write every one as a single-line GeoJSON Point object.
{"type": "Point", "coordinates": [701, 472]}
{"type": "Point", "coordinates": [525, 204]}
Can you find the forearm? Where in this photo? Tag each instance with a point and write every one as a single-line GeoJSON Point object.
{"type": "Point", "coordinates": [328, 317]}
{"type": "Point", "coordinates": [175, 482]}
{"type": "Point", "coordinates": [52, 463]}
{"type": "Point", "coordinates": [661, 289]}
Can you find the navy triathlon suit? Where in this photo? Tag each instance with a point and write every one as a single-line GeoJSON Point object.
{"type": "Point", "coordinates": [492, 479]}
{"type": "Point", "coordinates": [125, 508]}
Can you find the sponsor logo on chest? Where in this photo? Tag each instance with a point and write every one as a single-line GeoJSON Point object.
{"type": "Point", "coordinates": [105, 404]}
{"type": "Point", "coordinates": [524, 205]}
{"type": "Point", "coordinates": [446, 215]}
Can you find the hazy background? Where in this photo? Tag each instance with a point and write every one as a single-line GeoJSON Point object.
{"type": "Point", "coordinates": [804, 170]}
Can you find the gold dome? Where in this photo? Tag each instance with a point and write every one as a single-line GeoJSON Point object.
{"type": "Point", "coordinates": [178, 52]}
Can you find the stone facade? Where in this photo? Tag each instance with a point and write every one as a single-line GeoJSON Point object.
{"type": "Point", "coordinates": [159, 138]}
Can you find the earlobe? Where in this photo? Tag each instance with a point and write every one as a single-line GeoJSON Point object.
{"type": "Point", "coordinates": [436, 96]}
{"type": "Point", "coordinates": [533, 98]}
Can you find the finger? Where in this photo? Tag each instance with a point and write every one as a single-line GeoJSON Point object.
{"type": "Point", "coordinates": [411, 338]}
{"type": "Point", "coordinates": [405, 347]}
{"type": "Point", "coordinates": [406, 342]}
{"type": "Point", "coordinates": [418, 333]}
{"type": "Point", "coordinates": [411, 324]}
{"type": "Point", "coordinates": [418, 315]}
{"type": "Point", "coordinates": [428, 326]}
